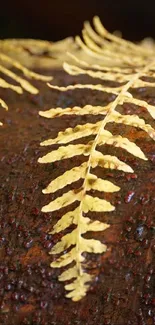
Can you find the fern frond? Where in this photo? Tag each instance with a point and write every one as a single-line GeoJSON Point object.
{"type": "Point", "coordinates": [5, 63]}
{"type": "Point", "coordinates": [108, 58]}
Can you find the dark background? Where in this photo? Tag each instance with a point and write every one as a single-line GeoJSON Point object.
{"type": "Point", "coordinates": [54, 20]}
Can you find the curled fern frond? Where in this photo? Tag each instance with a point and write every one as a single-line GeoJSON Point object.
{"type": "Point", "coordinates": [127, 64]}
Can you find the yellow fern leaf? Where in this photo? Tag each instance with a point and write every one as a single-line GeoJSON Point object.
{"type": "Point", "coordinates": [101, 185]}
{"type": "Point", "coordinates": [88, 129]}
{"type": "Point", "coordinates": [71, 217]}
{"type": "Point", "coordinates": [86, 110]}
{"type": "Point", "coordinates": [108, 161]}
{"type": "Point", "coordinates": [100, 67]}
{"type": "Point", "coordinates": [138, 102]}
{"type": "Point", "coordinates": [134, 120]}
{"type": "Point", "coordinates": [28, 73]}
{"type": "Point", "coordinates": [61, 202]}
{"type": "Point", "coordinates": [66, 152]}
{"type": "Point", "coordinates": [91, 203]}
{"type": "Point", "coordinates": [87, 245]}
{"type": "Point", "coordinates": [119, 42]}
{"type": "Point", "coordinates": [70, 134]}
{"type": "Point", "coordinates": [110, 90]}
{"type": "Point", "coordinates": [74, 175]}
{"type": "Point", "coordinates": [24, 83]}
{"type": "Point", "coordinates": [67, 178]}
{"type": "Point", "coordinates": [108, 58]}
{"type": "Point", "coordinates": [79, 287]}
{"type": "Point", "coordinates": [66, 220]}
{"type": "Point", "coordinates": [109, 76]}
{"type": "Point", "coordinates": [67, 258]}
{"type": "Point", "coordinates": [124, 143]}
{"type": "Point", "coordinates": [5, 84]}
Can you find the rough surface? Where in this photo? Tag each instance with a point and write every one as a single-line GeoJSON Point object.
{"type": "Point", "coordinates": [122, 293]}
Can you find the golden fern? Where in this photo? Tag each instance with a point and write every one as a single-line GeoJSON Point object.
{"type": "Point", "coordinates": [38, 53]}
{"type": "Point", "coordinates": [112, 59]}
{"type": "Point", "coordinates": [24, 54]}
